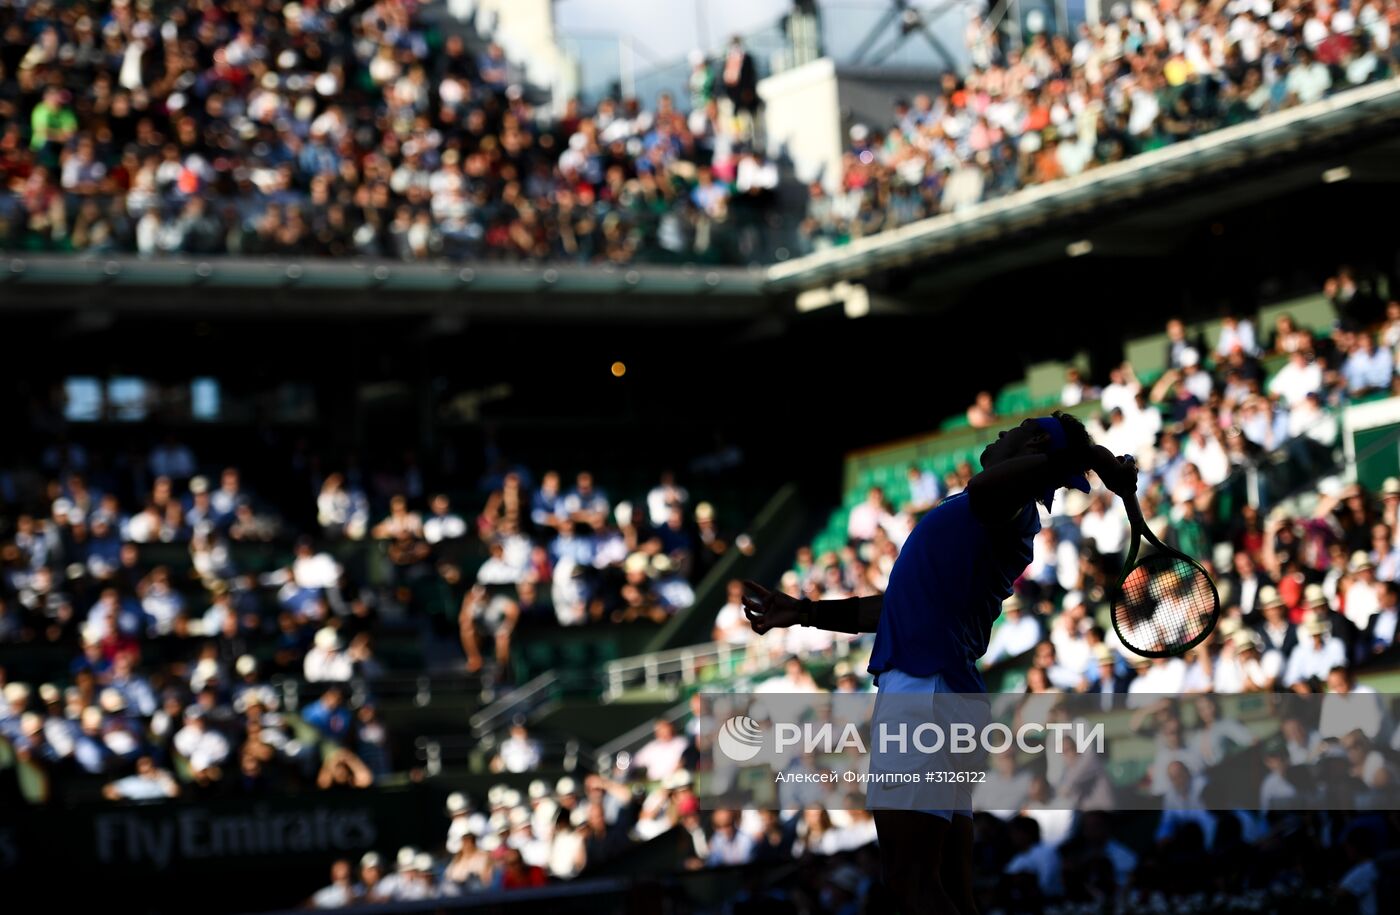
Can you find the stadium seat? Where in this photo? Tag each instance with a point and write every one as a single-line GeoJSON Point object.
{"type": "Point", "coordinates": [1014, 399]}
{"type": "Point", "coordinates": [1314, 312]}
{"type": "Point", "coordinates": [1148, 356]}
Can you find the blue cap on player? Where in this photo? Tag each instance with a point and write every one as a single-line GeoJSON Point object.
{"type": "Point", "coordinates": [1058, 442]}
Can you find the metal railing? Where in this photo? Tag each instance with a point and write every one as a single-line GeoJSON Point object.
{"type": "Point", "coordinates": [662, 663]}
{"type": "Point", "coordinates": [421, 689]}
{"type": "Point", "coordinates": [522, 700]}
{"type": "Point", "coordinates": [437, 751]}
{"type": "Point", "coordinates": [684, 665]}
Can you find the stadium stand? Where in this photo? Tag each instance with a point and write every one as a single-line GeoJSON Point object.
{"type": "Point", "coordinates": [173, 627]}
{"type": "Point", "coordinates": [508, 682]}
{"type": "Point", "coordinates": [1150, 76]}
{"type": "Point", "coordinates": [319, 131]}
{"type": "Point", "coordinates": [384, 130]}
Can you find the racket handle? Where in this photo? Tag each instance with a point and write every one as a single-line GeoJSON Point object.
{"type": "Point", "coordinates": [1134, 510]}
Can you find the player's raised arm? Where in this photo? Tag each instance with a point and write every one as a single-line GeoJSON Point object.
{"type": "Point", "coordinates": [775, 610]}
{"type": "Point", "coordinates": [1028, 463]}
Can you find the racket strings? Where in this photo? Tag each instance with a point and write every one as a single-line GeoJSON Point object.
{"type": "Point", "coordinates": [1164, 605]}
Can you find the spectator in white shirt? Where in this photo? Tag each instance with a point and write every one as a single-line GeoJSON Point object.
{"type": "Point", "coordinates": [1276, 791]}
{"type": "Point", "coordinates": [497, 569]}
{"type": "Point", "coordinates": [663, 497]}
{"type": "Point", "coordinates": [1205, 451]}
{"type": "Point", "coordinates": [1349, 707]}
{"type": "Point", "coordinates": [1121, 436]}
{"type": "Point", "coordinates": [1308, 79]}
{"type": "Point", "coordinates": [1075, 391]}
{"type": "Point", "coordinates": [1362, 596]}
{"type": "Point", "coordinates": [1242, 669]}
{"type": "Point", "coordinates": [1216, 735]}
{"type": "Point", "coordinates": [149, 783]}
{"type": "Point", "coordinates": [519, 752]}
{"type": "Point", "coordinates": [661, 756]}
{"type": "Point", "coordinates": [1121, 391]}
{"type": "Point", "coordinates": [1067, 634]}
{"type": "Point", "coordinates": [1384, 553]}
{"type": "Point", "coordinates": [1016, 633]}
{"type": "Point", "coordinates": [326, 661]}
{"type": "Point", "coordinates": [1236, 334]}
{"type": "Point", "coordinates": [867, 517]}
{"type": "Point", "coordinates": [401, 522]}
{"type": "Point", "coordinates": [340, 510]}
{"type": "Point", "coordinates": [341, 891]}
{"type": "Point", "coordinates": [1146, 422]}
{"type": "Point", "coordinates": [314, 570]}
{"type": "Point", "coordinates": [728, 845]}
{"type": "Point", "coordinates": [160, 600]}
{"type": "Point", "coordinates": [1059, 676]}
{"type": "Point", "coordinates": [1368, 764]}
{"type": "Point", "coordinates": [442, 523]}
{"type": "Point", "coordinates": [1368, 368]}
{"type": "Point", "coordinates": [1194, 378]}
{"type": "Point", "coordinates": [795, 678]}
{"type": "Point", "coordinates": [1296, 380]}
{"type": "Point", "coordinates": [203, 747]}
{"type": "Point", "coordinates": [1172, 747]}
{"type": "Point", "coordinates": [464, 820]}
{"type": "Point", "coordinates": [1317, 652]}
{"type": "Point", "coordinates": [1156, 677]}
{"type": "Point", "coordinates": [731, 623]}
{"type": "Point", "coordinates": [1310, 420]}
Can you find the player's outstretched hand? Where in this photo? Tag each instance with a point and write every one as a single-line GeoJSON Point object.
{"type": "Point", "coordinates": [768, 609]}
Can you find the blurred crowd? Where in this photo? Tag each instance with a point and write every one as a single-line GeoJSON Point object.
{"type": "Point", "coordinates": [187, 635]}
{"type": "Point", "coordinates": [1149, 75]}
{"type": "Point", "coordinates": [513, 839]}
{"type": "Point", "coordinates": [338, 129]}
{"type": "Point", "coordinates": [1237, 443]}
{"type": "Point", "coordinates": [169, 662]}
{"type": "Point", "coordinates": [1307, 584]}
{"type": "Point", "coordinates": [1030, 853]}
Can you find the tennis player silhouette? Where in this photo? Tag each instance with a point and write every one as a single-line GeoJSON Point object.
{"type": "Point", "coordinates": [934, 620]}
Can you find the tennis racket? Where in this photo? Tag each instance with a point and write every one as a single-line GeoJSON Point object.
{"type": "Point", "coordinates": [1165, 602]}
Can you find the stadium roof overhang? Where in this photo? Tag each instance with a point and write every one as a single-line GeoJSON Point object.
{"type": "Point", "coordinates": [364, 287]}
{"type": "Point", "coordinates": [1162, 178]}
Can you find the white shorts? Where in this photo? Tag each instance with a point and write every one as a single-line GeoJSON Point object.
{"type": "Point", "coordinates": [901, 703]}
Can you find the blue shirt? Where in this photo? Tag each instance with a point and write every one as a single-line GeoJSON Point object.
{"type": "Point", "coordinates": [334, 724]}
{"type": "Point", "coordinates": [946, 589]}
